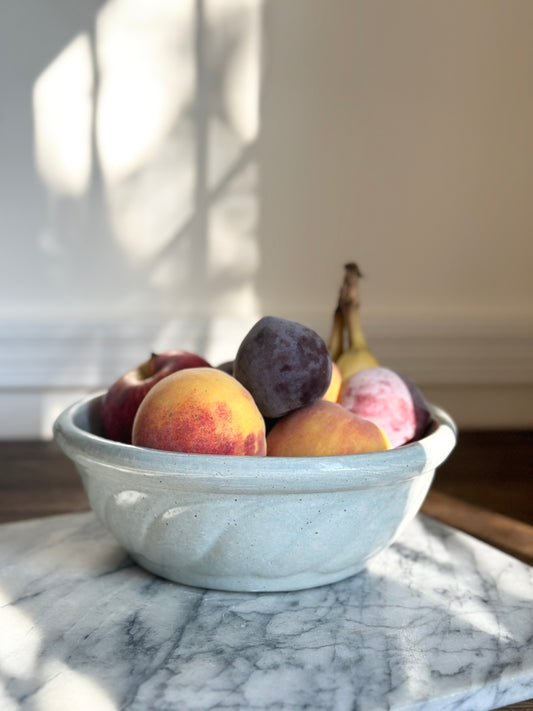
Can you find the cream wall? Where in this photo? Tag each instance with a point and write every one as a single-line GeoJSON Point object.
{"type": "Point", "coordinates": [170, 171]}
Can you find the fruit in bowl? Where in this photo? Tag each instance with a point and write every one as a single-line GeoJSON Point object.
{"type": "Point", "coordinates": [122, 399]}
{"type": "Point", "coordinates": [388, 399]}
{"type": "Point", "coordinates": [284, 364]}
{"type": "Point", "coordinates": [251, 523]}
{"type": "Point", "coordinates": [321, 429]}
{"type": "Point", "coordinates": [202, 411]}
{"type": "Point", "coordinates": [346, 318]}
{"type": "Point", "coordinates": [331, 493]}
{"type": "Point", "coordinates": [334, 387]}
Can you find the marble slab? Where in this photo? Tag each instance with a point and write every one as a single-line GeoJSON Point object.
{"type": "Point", "coordinates": [439, 621]}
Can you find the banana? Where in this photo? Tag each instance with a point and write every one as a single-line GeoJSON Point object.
{"type": "Point", "coordinates": [358, 355]}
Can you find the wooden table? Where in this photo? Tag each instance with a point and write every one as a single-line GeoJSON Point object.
{"type": "Point", "coordinates": [485, 488]}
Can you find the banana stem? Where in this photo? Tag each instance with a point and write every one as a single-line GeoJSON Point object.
{"type": "Point", "coordinates": [349, 306]}
{"type": "Point", "coordinates": [336, 340]}
{"type": "Point", "coordinates": [356, 338]}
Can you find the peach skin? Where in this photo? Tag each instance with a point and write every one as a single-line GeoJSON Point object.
{"type": "Point", "coordinates": [334, 387]}
{"type": "Point", "coordinates": [201, 411]}
{"type": "Point", "coordinates": [321, 429]}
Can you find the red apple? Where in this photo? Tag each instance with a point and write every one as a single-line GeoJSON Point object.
{"type": "Point", "coordinates": [122, 400]}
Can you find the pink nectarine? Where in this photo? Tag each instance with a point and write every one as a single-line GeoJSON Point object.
{"type": "Point", "coordinates": [388, 399]}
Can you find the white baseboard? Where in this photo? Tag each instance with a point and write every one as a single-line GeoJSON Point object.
{"type": "Point", "coordinates": [485, 379]}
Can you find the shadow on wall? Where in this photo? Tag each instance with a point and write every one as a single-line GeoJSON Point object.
{"type": "Point", "coordinates": [146, 123]}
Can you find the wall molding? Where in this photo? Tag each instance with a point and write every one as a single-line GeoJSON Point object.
{"type": "Point", "coordinates": [66, 354]}
{"type": "Point", "coordinates": [92, 353]}
{"type": "Point", "coordinates": [44, 365]}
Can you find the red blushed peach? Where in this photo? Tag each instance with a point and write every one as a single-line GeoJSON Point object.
{"type": "Point", "coordinates": [200, 411]}
{"type": "Point", "coordinates": [324, 428]}
{"type": "Point", "coordinates": [122, 400]}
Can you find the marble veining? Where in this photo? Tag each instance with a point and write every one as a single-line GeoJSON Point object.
{"type": "Point", "coordinates": [438, 621]}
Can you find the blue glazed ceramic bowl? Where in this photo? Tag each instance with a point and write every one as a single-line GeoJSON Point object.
{"type": "Point", "coordinates": [251, 523]}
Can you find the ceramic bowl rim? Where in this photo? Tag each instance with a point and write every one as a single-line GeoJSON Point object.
{"type": "Point", "coordinates": [269, 473]}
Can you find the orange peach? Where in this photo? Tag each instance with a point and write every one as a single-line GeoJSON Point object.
{"type": "Point", "coordinates": [324, 428]}
{"type": "Point", "coordinates": [202, 411]}
{"type": "Point", "coordinates": [334, 387]}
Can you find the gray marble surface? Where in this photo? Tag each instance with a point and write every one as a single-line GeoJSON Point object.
{"type": "Point", "coordinates": [438, 621]}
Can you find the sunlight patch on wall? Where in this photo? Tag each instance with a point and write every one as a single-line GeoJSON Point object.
{"type": "Point", "coordinates": [158, 160]}
{"type": "Point", "coordinates": [147, 80]}
{"type": "Point", "coordinates": [144, 128]}
{"type": "Point", "coordinates": [232, 248]}
{"type": "Point", "coordinates": [62, 106]}
{"type": "Point", "coordinates": [233, 254]}
{"type": "Point", "coordinates": [243, 71]}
